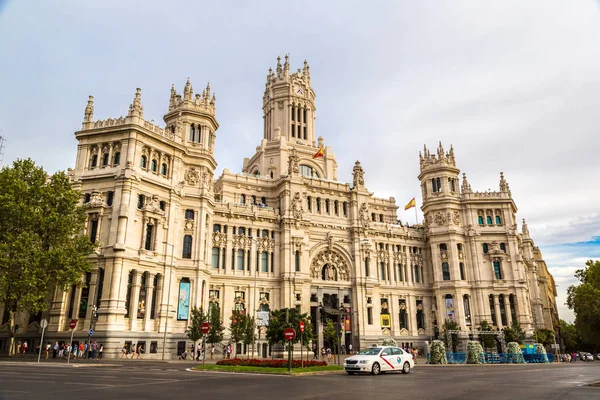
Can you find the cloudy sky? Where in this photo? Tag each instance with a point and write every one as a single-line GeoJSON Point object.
{"type": "Point", "coordinates": [513, 85]}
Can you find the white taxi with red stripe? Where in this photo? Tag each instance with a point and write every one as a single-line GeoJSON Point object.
{"type": "Point", "coordinates": [378, 359]}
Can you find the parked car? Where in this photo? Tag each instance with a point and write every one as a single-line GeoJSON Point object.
{"type": "Point", "coordinates": [598, 356]}
{"type": "Point", "coordinates": [589, 357]}
{"type": "Point", "coordinates": [378, 359]}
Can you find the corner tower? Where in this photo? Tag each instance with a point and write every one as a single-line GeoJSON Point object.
{"type": "Point", "coordinates": [289, 104]}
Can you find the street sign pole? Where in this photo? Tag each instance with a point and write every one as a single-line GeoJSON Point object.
{"type": "Point", "coordinates": [301, 348]}
{"type": "Point", "coordinates": [203, 350]}
{"type": "Point", "coordinates": [72, 325]}
{"type": "Point", "coordinates": [43, 324]}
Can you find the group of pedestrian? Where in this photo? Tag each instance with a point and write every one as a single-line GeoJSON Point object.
{"type": "Point", "coordinates": [133, 351]}
{"type": "Point", "coordinates": [200, 352]}
{"type": "Point", "coordinates": [22, 347]}
{"type": "Point", "coordinates": [91, 351]}
{"type": "Point", "coordinates": [568, 357]}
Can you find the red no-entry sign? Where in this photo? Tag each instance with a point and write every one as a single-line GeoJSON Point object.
{"type": "Point", "coordinates": [205, 327]}
{"type": "Point", "coordinates": [73, 324]}
{"type": "Point", "coordinates": [302, 326]}
{"type": "Point", "coordinates": [289, 334]}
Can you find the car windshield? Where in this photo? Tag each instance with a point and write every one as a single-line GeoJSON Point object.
{"type": "Point", "coordinates": [371, 351]}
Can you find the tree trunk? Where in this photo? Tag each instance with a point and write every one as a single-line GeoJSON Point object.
{"type": "Point", "coordinates": [11, 323]}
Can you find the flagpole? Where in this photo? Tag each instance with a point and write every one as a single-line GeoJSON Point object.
{"type": "Point", "coordinates": [416, 215]}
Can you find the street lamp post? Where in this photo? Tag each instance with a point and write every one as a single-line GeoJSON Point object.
{"type": "Point", "coordinates": [168, 295]}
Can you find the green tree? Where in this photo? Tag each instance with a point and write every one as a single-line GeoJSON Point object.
{"type": "Point", "coordinates": [193, 330]}
{"type": "Point", "coordinates": [514, 333]}
{"type": "Point", "coordinates": [330, 333]}
{"type": "Point", "coordinates": [568, 332]}
{"type": "Point", "coordinates": [237, 327]}
{"type": "Point", "coordinates": [279, 320]}
{"type": "Point", "coordinates": [216, 331]}
{"type": "Point", "coordinates": [584, 300]}
{"type": "Point", "coordinates": [489, 341]}
{"type": "Point", "coordinates": [544, 336]}
{"type": "Point", "coordinates": [41, 241]}
{"type": "Point", "coordinates": [249, 332]}
{"type": "Point", "coordinates": [451, 339]}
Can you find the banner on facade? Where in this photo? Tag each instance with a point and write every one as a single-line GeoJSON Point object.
{"type": "Point", "coordinates": [347, 324]}
{"type": "Point", "coordinates": [262, 318]}
{"type": "Point", "coordinates": [183, 302]}
{"type": "Point", "coordinates": [450, 309]}
{"type": "Point", "coordinates": [386, 321]}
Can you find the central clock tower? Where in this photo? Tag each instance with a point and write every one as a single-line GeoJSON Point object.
{"type": "Point", "coordinates": [289, 104]}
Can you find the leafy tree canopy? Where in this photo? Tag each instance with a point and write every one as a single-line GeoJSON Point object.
{"type": "Point", "coordinates": [193, 330]}
{"type": "Point", "coordinates": [216, 331]}
{"type": "Point", "coordinates": [568, 332]}
{"type": "Point", "coordinates": [279, 320]}
{"type": "Point", "coordinates": [41, 241]}
{"type": "Point", "coordinates": [514, 333]}
{"type": "Point", "coordinates": [584, 300]}
{"type": "Point", "coordinates": [451, 339]}
{"type": "Point", "coordinates": [488, 341]}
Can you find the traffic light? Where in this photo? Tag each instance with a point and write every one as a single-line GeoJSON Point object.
{"type": "Point", "coordinates": [16, 328]}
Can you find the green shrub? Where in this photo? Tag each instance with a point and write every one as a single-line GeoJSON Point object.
{"type": "Point", "coordinates": [515, 355]}
{"type": "Point", "coordinates": [474, 352]}
{"type": "Point", "coordinates": [437, 353]}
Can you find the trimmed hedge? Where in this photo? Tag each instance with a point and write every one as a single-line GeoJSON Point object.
{"type": "Point", "coordinates": [474, 352]}
{"type": "Point", "coordinates": [437, 353]}
{"type": "Point", "coordinates": [253, 362]}
{"type": "Point", "coordinates": [515, 353]}
{"type": "Point", "coordinates": [541, 350]}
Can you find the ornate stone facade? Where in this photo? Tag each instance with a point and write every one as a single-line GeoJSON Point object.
{"type": "Point", "coordinates": [283, 233]}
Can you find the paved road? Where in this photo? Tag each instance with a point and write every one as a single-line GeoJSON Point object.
{"type": "Point", "coordinates": [150, 381]}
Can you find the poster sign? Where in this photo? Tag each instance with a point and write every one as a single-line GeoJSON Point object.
{"type": "Point", "coordinates": [183, 301]}
{"type": "Point", "coordinates": [386, 321]}
{"type": "Point", "coordinates": [450, 309]}
{"type": "Point", "coordinates": [347, 324]}
{"type": "Point", "coordinates": [262, 318]}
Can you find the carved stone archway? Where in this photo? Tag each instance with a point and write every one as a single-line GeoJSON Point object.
{"type": "Point", "coordinates": [331, 265]}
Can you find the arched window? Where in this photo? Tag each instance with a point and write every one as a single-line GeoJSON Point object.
{"type": "Point", "coordinates": [94, 162]}
{"type": "Point", "coordinates": [309, 203]}
{"type": "Point", "coordinates": [480, 220]}
{"type": "Point", "coordinates": [192, 133]}
{"type": "Point", "coordinates": [493, 310]}
{"type": "Point", "coordinates": [187, 247]}
{"type": "Point", "coordinates": [373, 217]}
{"type": "Point", "coordinates": [503, 247]}
{"type": "Point", "coordinates": [488, 219]}
{"type": "Point", "coordinates": [105, 160]}
{"type": "Point", "coordinates": [117, 158]}
{"type": "Point", "coordinates": [336, 204]}
{"type": "Point", "coordinates": [318, 204]}
{"type": "Point", "coordinates": [326, 206]}
{"type": "Point", "coordinates": [345, 208]}
{"type": "Point", "coordinates": [154, 166]}
{"type": "Point", "coordinates": [497, 270]}
{"type": "Point", "coordinates": [308, 171]}
{"type": "Point", "coordinates": [253, 200]}
{"type": "Point", "coordinates": [265, 233]}
{"type": "Point", "coordinates": [446, 271]}
{"type": "Point", "coordinates": [144, 162]}
{"type": "Point", "coordinates": [242, 199]}
{"type": "Point", "coordinates": [380, 217]}
{"type": "Point", "coordinates": [163, 169]}
{"type": "Point", "coordinates": [329, 273]}
{"type": "Point", "coordinates": [485, 248]}
{"type": "Point", "coordinates": [498, 220]}
{"type": "Point", "coordinates": [263, 201]}
{"type": "Point", "coordinates": [216, 228]}
{"type": "Point", "coordinates": [256, 173]}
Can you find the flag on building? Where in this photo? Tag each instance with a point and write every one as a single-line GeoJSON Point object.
{"type": "Point", "coordinates": [410, 204]}
{"type": "Point", "coordinates": [319, 153]}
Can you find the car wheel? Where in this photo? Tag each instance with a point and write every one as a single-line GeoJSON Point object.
{"type": "Point", "coordinates": [406, 368]}
{"type": "Point", "coordinates": [350, 372]}
{"type": "Point", "coordinates": [376, 369]}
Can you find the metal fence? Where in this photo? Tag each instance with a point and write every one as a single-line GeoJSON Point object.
{"type": "Point", "coordinates": [500, 358]}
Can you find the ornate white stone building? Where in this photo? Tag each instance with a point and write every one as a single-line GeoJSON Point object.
{"type": "Point", "coordinates": [282, 233]}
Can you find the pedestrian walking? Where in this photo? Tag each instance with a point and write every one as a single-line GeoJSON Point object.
{"type": "Point", "coordinates": [100, 351]}
{"type": "Point", "coordinates": [25, 345]}
{"type": "Point", "coordinates": [139, 351]}
{"type": "Point", "coordinates": [350, 349]}
{"type": "Point", "coordinates": [198, 349]}
{"type": "Point", "coordinates": [48, 346]}
{"type": "Point", "coordinates": [94, 350]}
{"type": "Point", "coordinates": [124, 352]}
{"type": "Point", "coordinates": [133, 347]}
{"type": "Point", "coordinates": [212, 352]}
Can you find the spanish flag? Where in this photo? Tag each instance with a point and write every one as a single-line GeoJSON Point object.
{"type": "Point", "coordinates": [319, 153]}
{"type": "Point", "coordinates": [410, 204]}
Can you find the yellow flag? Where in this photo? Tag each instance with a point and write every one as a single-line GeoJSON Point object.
{"type": "Point", "coordinates": [410, 204]}
{"type": "Point", "coordinates": [319, 153]}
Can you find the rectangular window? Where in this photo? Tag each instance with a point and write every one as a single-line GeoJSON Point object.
{"type": "Point", "coordinates": [140, 201]}
{"type": "Point", "coordinates": [420, 315]}
{"type": "Point", "coordinates": [462, 271]}
{"type": "Point", "coordinates": [402, 315]}
{"type": "Point", "coordinates": [109, 198]}
{"type": "Point", "coordinates": [297, 261]}
{"type": "Point", "coordinates": [153, 347]}
{"type": "Point", "coordinates": [189, 214]}
{"type": "Point", "coordinates": [382, 271]}
{"type": "Point", "coordinates": [497, 270]}
{"type": "Point", "coordinates": [240, 260]}
{"type": "Point", "coordinates": [446, 271]}
{"type": "Point", "coordinates": [318, 205]}
{"type": "Point", "coordinates": [94, 231]}
{"type": "Point", "coordinates": [400, 276]}
{"type": "Point", "coordinates": [215, 257]}
{"type": "Point", "coordinates": [369, 316]}
{"type": "Point", "coordinates": [263, 262]}
{"type": "Point", "coordinates": [417, 274]}
{"type": "Point", "coordinates": [493, 310]}
{"type": "Point", "coordinates": [149, 245]}
{"type": "Point", "coordinates": [187, 247]}
{"type": "Point", "coordinates": [367, 266]}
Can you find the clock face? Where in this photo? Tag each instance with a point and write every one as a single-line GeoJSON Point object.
{"type": "Point", "coordinates": [299, 90]}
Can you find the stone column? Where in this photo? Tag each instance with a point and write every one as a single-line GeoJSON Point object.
{"type": "Point", "coordinates": [149, 294]}
{"type": "Point", "coordinates": [133, 301]}
{"type": "Point", "coordinates": [497, 310]}
{"type": "Point", "coordinates": [157, 307]}
{"type": "Point", "coordinates": [411, 309]}
{"type": "Point", "coordinates": [91, 300]}
{"type": "Point", "coordinates": [507, 310]}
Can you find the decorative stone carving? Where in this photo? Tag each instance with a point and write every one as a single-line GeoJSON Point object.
{"type": "Point", "coordinates": [358, 174]}
{"type": "Point", "coordinates": [334, 263]}
{"type": "Point", "coordinates": [219, 239]}
{"type": "Point", "coordinates": [242, 242]}
{"type": "Point", "coordinates": [293, 163]}
{"type": "Point", "coordinates": [364, 219]}
{"type": "Point", "coordinates": [189, 224]}
{"type": "Point", "coordinates": [192, 176]}
{"type": "Point", "coordinates": [297, 208]}
{"type": "Point", "coordinates": [440, 218]}
{"type": "Point", "coordinates": [153, 206]}
{"type": "Point", "coordinates": [329, 241]}
{"type": "Point", "coordinates": [298, 243]}
{"type": "Point", "coordinates": [96, 199]}
{"type": "Point", "coordinates": [456, 217]}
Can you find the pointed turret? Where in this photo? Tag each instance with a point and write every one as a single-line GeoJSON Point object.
{"type": "Point", "coordinates": [172, 98]}
{"type": "Point", "coordinates": [451, 155]}
{"type": "Point", "coordinates": [136, 109]}
{"type": "Point", "coordinates": [187, 91]}
{"type": "Point", "coordinates": [525, 230]}
{"type": "Point", "coordinates": [306, 71]}
{"type": "Point", "coordinates": [440, 152]}
{"type": "Point", "coordinates": [504, 187]}
{"type": "Point", "coordinates": [279, 69]}
{"type": "Point", "coordinates": [88, 117]}
{"type": "Point", "coordinates": [286, 65]}
{"type": "Point", "coordinates": [465, 187]}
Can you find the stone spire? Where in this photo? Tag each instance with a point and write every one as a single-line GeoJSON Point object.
{"type": "Point", "coordinates": [88, 117]}
{"type": "Point", "coordinates": [286, 65]}
{"type": "Point", "coordinates": [451, 159]}
{"type": "Point", "coordinates": [504, 187]}
{"type": "Point", "coordinates": [306, 71]}
{"type": "Point", "coordinates": [172, 99]}
{"type": "Point", "coordinates": [465, 187]}
{"type": "Point", "coordinates": [440, 152]}
{"type": "Point", "coordinates": [279, 69]}
{"type": "Point", "coordinates": [525, 230]}
{"type": "Point", "coordinates": [136, 109]}
{"type": "Point", "coordinates": [187, 91]}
